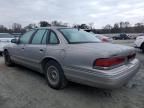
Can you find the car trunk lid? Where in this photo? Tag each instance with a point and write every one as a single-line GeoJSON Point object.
{"type": "Point", "coordinates": [107, 49]}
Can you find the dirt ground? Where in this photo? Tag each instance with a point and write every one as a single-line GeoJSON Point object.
{"type": "Point", "coordinates": [23, 88]}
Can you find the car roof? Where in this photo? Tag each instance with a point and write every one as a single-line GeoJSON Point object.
{"type": "Point", "coordinates": [52, 27]}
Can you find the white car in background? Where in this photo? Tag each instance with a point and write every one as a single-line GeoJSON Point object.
{"type": "Point", "coordinates": [139, 43]}
{"type": "Point", "coordinates": [5, 39]}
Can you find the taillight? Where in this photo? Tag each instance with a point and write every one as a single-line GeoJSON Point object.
{"type": "Point", "coordinates": [108, 62]}
{"type": "Point", "coordinates": [105, 40]}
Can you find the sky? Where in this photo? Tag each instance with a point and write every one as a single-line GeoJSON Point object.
{"type": "Point", "coordinates": [100, 12]}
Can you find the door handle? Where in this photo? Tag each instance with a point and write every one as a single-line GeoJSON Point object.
{"type": "Point", "coordinates": [22, 48]}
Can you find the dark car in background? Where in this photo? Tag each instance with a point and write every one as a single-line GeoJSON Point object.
{"type": "Point", "coordinates": [122, 36]}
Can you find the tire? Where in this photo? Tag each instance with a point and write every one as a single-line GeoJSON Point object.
{"type": "Point", "coordinates": [1, 54]}
{"type": "Point", "coordinates": [55, 75]}
{"type": "Point", "coordinates": [142, 47]}
{"type": "Point", "coordinates": [7, 59]}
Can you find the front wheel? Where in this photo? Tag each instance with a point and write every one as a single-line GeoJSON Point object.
{"type": "Point", "coordinates": [55, 75]}
{"type": "Point", "coordinates": [7, 59]}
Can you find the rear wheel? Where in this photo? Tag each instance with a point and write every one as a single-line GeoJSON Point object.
{"type": "Point", "coordinates": [55, 75]}
{"type": "Point", "coordinates": [142, 47]}
{"type": "Point", "coordinates": [1, 54]}
{"type": "Point", "coordinates": [7, 59]}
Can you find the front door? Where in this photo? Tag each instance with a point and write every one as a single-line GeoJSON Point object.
{"type": "Point", "coordinates": [19, 52]}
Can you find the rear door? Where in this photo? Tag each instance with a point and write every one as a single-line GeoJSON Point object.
{"type": "Point", "coordinates": [36, 49]}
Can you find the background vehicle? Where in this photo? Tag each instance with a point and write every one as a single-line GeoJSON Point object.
{"type": "Point", "coordinates": [139, 43]}
{"type": "Point", "coordinates": [64, 54]}
{"type": "Point", "coordinates": [5, 39]}
{"type": "Point", "coordinates": [16, 35]}
{"type": "Point", "coordinates": [122, 36]}
{"type": "Point", "coordinates": [103, 38]}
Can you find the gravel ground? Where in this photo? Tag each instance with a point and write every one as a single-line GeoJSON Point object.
{"type": "Point", "coordinates": [23, 88]}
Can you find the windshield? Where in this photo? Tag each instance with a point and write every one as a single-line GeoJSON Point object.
{"type": "Point", "coordinates": [6, 35]}
{"type": "Point", "coordinates": [78, 36]}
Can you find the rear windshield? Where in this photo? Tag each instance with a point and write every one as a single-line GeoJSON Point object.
{"type": "Point", "coordinates": [78, 36]}
{"type": "Point", "coordinates": [6, 35]}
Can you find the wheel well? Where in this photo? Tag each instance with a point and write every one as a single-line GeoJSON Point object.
{"type": "Point", "coordinates": [44, 61]}
{"type": "Point", "coordinates": [142, 45]}
{"type": "Point", "coordinates": [4, 50]}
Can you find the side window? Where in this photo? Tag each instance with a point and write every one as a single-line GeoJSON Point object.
{"type": "Point", "coordinates": [53, 39]}
{"type": "Point", "coordinates": [38, 37]}
{"type": "Point", "coordinates": [44, 39]}
{"type": "Point", "coordinates": [24, 39]}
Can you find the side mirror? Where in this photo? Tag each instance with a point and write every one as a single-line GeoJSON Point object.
{"type": "Point", "coordinates": [14, 41]}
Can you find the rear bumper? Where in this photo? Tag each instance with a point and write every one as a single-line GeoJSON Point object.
{"type": "Point", "coordinates": [114, 78]}
{"type": "Point", "coordinates": [121, 76]}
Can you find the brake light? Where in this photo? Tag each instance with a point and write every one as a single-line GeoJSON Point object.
{"type": "Point", "coordinates": [108, 62]}
{"type": "Point", "coordinates": [105, 40]}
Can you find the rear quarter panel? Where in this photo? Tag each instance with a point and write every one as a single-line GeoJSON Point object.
{"type": "Point", "coordinates": [78, 58]}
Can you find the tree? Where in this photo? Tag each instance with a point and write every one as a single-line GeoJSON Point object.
{"type": "Point", "coordinates": [107, 28]}
{"type": "Point", "coordinates": [122, 24]}
{"type": "Point", "coordinates": [127, 24]}
{"type": "Point", "coordinates": [84, 26]}
{"type": "Point", "coordinates": [139, 24]}
{"type": "Point", "coordinates": [30, 26]}
{"type": "Point", "coordinates": [115, 28]}
{"type": "Point", "coordinates": [56, 23]}
{"type": "Point", "coordinates": [76, 26]}
{"type": "Point", "coordinates": [59, 23]}
{"type": "Point", "coordinates": [3, 29]}
{"type": "Point", "coordinates": [91, 25]}
{"type": "Point", "coordinates": [16, 27]}
{"type": "Point", "coordinates": [44, 24]}
{"type": "Point", "coordinates": [139, 27]}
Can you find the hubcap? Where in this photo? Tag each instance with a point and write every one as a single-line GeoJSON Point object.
{"type": "Point", "coordinates": [52, 74]}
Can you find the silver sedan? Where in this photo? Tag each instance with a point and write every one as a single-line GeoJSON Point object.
{"type": "Point", "coordinates": [67, 54]}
